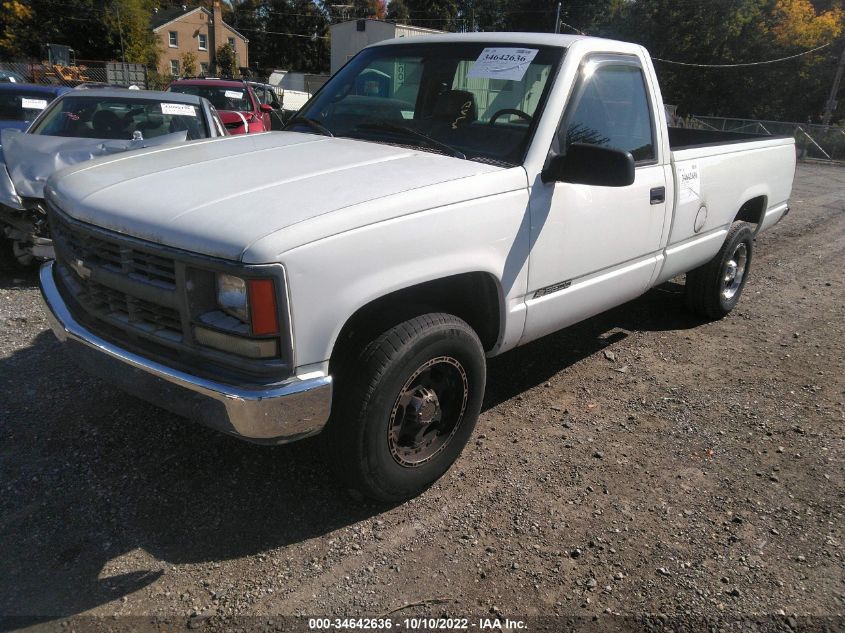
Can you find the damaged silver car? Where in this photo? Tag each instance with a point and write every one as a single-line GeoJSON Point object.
{"type": "Point", "coordinates": [76, 127]}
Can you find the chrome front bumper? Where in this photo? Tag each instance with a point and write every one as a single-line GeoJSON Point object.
{"type": "Point", "coordinates": [279, 414]}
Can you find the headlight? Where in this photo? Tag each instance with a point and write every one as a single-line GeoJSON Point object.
{"type": "Point", "coordinates": [252, 301]}
{"type": "Point", "coordinates": [232, 296]}
{"type": "Point", "coordinates": [238, 313]}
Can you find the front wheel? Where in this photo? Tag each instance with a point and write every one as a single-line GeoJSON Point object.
{"type": "Point", "coordinates": [409, 409]}
{"type": "Point", "coordinates": [713, 289]}
{"type": "Point", "coordinates": [14, 256]}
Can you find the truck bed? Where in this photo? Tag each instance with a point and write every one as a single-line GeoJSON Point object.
{"type": "Point", "coordinates": [716, 174]}
{"type": "Point", "coordinates": [681, 138]}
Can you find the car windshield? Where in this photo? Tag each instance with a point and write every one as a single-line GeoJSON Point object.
{"type": "Point", "coordinates": [221, 97]}
{"type": "Point", "coordinates": [22, 105]}
{"type": "Point", "coordinates": [479, 101]}
{"type": "Point", "coordinates": [118, 118]}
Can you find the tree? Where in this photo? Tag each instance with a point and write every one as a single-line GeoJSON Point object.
{"type": "Point", "coordinates": [43, 24]}
{"type": "Point", "coordinates": [295, 37]}
{"type": "Point", "coordinates": [226, 61]}
{"type": "Point", "coordinates": [434, 14]}
{"type": "Point", "coordinates": [723, 32]}
{"type": "Point", "coordinates": [530, 15]}
{"type": "Point", "coordinates": [95, 31]}
{"type": "Point", "coordinates": [397, 11]}
{"type": "Point", "coordinates": [369, 9]}
{"type": "Point", "coordinates": [189, 64]}
{"type": "Point", "coordinates": [14, 15]}
{"type": "Point", "coordinates": [249, 18]}
{"type": "Point", "coordinates": [798, 24]}
{"type": "Point", "coordinates": [128, 24]}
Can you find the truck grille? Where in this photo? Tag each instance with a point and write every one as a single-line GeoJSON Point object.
{"type": "Point", "coordinates": [135, 293]}
{"type": "Point", "coordinates": [122, 309]}
{"type": "Point", "coordinates": [140, 295]}
{"type": "Point", "coordinates": [114, 256]}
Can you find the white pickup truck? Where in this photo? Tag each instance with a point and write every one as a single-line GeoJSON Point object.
{"type": "Point", "coordinates": [441, 200]}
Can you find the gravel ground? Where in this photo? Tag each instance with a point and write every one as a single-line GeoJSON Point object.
{"type": "Point", "coordinates": [643, 462]}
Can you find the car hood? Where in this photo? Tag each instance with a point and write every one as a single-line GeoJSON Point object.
{"type": "Point", "coordinates": [234, 116]}
{"type": "Point", "coordinates": [14, 125]}
{"type": "Point", "coordinates": [221, 196]}
{"type": "Point", "coordinates": [30, 159]}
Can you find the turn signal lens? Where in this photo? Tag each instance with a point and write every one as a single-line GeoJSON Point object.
{"type": "Point", "coordinates": [264, 313]}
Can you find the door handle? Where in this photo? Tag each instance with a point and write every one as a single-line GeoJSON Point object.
{"type": "Point", "coordinates": [658, 195]}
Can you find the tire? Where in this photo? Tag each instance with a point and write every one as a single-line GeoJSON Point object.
{"type": "Point", "coordinates": [714, 289]}
{"type": "Point", "coordinates": [12, 259]}
{"type": "Point", "coordinates": [405, 412]}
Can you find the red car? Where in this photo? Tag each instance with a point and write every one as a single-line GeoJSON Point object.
{"type": "Point", "coordinates": [239, 108]}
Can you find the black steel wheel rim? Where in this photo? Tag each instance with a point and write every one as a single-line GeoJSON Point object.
{"type": "Point", "coordinates": [428, 411]}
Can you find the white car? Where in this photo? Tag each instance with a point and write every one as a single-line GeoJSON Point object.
{"type": "Point", "coordinates": [78, 126]}
{"type": "Point", "coordinates": [442, 199]}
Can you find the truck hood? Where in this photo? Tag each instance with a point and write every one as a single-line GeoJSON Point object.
{"type": "Point", "coordinates": [220, 196]}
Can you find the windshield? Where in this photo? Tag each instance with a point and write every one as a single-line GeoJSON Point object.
{"type": "Point", "coordinates": [479, 101]}
{"type": "Point", "coordinates": [117, 118]}
{"type": "Point", "coordinates": [23, 105]}
{"type": "Point", "coordinates": [221, 97]}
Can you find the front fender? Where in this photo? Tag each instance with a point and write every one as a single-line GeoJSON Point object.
{"type": "Point", "coordinates": [332, 278]}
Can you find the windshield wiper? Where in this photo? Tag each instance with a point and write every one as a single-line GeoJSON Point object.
{"type": "Point", "coordinates": [395, 127]}
{"type": "Point", "coordinates": [315, 125]}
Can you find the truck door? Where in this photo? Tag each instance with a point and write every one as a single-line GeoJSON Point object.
{"type": "Point", "coordinates": [596, 247]}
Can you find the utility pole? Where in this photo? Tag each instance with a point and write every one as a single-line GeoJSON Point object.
{"type": "Point", "coordinates": [557, 19]}
{"type": "Point", "coordinates": [831, 102]}
{"type": "Point", "coordinates": [120, 30]}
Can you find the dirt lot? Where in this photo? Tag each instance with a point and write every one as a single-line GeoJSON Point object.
{"type": "Point", "coordinates": [642, 462]}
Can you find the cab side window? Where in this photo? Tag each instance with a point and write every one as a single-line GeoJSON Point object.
{"type": "Point", "coordinates": [612, 110]}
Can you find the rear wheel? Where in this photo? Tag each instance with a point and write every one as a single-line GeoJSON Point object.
{"type": "Point", "coordinates": [404, 417]}
{"type": "Point", "coordinates": [714, 289]}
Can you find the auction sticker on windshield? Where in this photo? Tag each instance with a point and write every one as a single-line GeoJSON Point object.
{"type": "Point", "coordinates": [233, 94]}
{"type": "Point", "coordinates": [502, 63]}
{"type": "Point", "coordinates": [179, 109]}
{"type": "Point", "coordinates": [33, 104]}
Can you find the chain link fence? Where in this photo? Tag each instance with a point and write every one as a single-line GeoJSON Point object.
{"type": "Point", "coordinates": [83, 72]}
{"type": "Point", "coordinates": [812, 141]}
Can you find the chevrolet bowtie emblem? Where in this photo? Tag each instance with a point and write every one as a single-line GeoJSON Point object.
{"type": "Point", "coordinates": [81, 269]}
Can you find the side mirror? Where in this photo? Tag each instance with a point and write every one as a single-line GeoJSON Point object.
{"type": "Point", "coordinates": [265, 107]}
{"type": "Point", "coordinates": [585, 164]}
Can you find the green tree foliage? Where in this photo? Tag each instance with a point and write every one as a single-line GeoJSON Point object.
{"type": "Point", "coordinates": [130, 19]}
{"type": "Point", "coordinates": [226, 61]}
{"type": "Point", "coordinates": [397, 11]}
{"type": "Point", "coordinates": [293, 34]}
{"type": "Point", "coordinates": [288, 34]}
{"type": "Point", "coordinates": [189, 64]}
{"type": "Point", "coordinates": [368, 9]}
{"type": "Point", "coordinates": [730, 32]}
{"type": "Point", "coordinates": [14, 15]}
{"type": "Point", "coordinates": [91, 27]}
{"type": "Point", "coordinates": [436, 14]}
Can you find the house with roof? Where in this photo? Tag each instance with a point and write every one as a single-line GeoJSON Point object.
{"type": "Point", "coordinates": [198, 30]}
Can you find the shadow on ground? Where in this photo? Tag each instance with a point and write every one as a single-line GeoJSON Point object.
{"type": "Point", "coordinates": [660, 309]}
{"type": "Point", "coordinates": [19, 278]}
{"type": "Point", "coordinates": [90, 474]}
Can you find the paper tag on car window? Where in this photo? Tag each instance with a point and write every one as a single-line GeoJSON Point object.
{"type": "Point", "coordinates": [502, 63]}
{"type": "Point", "coordinates": [33, 104]}
{"type": "Point", "coordinates": [179, 109]}
{"type": "Point", "coordinates": [234, 94]}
